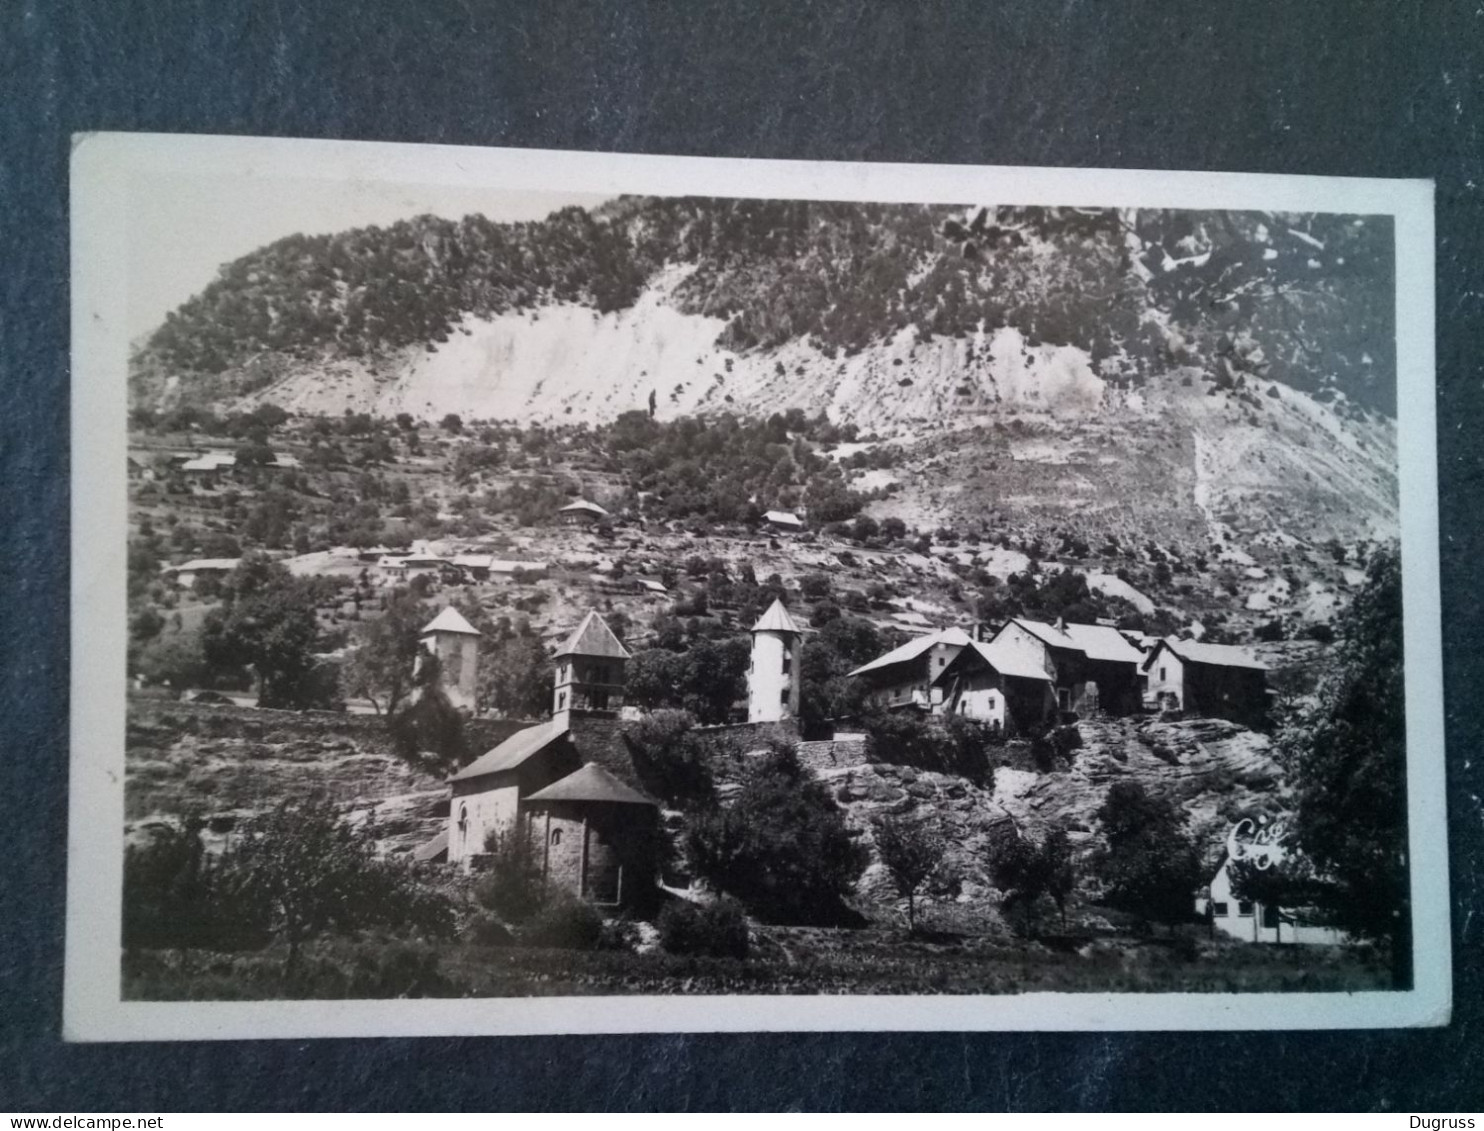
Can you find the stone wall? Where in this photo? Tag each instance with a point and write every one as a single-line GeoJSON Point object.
{"type": "Point", "coordinates": [753, 735]}
{"type": "Point", "coordinates": [829, 754]}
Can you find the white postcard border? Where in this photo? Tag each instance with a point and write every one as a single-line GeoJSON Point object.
{"type": "Point", "coordinates": [102, 165]}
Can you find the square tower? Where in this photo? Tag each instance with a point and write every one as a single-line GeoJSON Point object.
{"type": "Point", "coordinates": [590, 670]}
{"type": "Point", "coordinates": [455, 642]}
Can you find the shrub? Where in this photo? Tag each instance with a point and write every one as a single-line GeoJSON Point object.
{"type": "Point", "coordinates": [781, 846]}
{"type": "Point", "coordinates": [511, 884]}
{"type": "Point", "coordinates": [565, 922]}
{"type": "Point", "coordinates": [485, 929]}
{"type": "Point", "coordinates": [670, 758]}
{"type": "Point", "coordinates": [719, 930]}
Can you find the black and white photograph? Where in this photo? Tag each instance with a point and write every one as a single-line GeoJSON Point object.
{"type": "Point", "coordinates": [521, 591]}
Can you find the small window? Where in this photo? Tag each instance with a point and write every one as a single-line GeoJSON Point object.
{"type": "Point", "coordinates": [1269, 917]}
{"type": "Point", "coordinates": [561, 700]}
{"type": "Point", "coordinates": [556, 837]}
{"type": "Point", "coordinates": [1244, 908]}
{"type": "Point", "coordinates": [1162, 674]}
{"type": "Point", "coordinates": [1220, 909]}
{"type": "Point", "coordinates": [783, 695]}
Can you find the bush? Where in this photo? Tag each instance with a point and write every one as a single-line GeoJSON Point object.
{"type": "Point", "coordinates": [566, 923]}
{"type": "Point", "coordinates": [670, 758]}
{"type": "Point", "coordinates": [781, 847]}
{"type": "Point", "coordinates": [511, 884]}
{"type": "Point", "coordinates": [485, 929]}
{"type": "Point", "coordinates": [719, 930]}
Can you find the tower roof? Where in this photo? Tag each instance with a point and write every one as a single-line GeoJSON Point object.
{"type": "Point", "coordinates": [450, 620]}
{"type": "Point", "coordinates": [591, 783]}
{"type": "Point", "coordinates": [776, 619]}
{"type": "Point", "coordinates": [593, 637]}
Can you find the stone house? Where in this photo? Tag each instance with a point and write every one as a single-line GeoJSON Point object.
{"type": "Point", "coordinates": [904, 677]}
{"type": "Point", "coordinates": [1215, 680]}
{"type": "Point", "coordinates": [996, 684]}
{"type": "Point", "coordinates": [581, 513]}
{"type": "Point", "coordinates": [1093, 667]}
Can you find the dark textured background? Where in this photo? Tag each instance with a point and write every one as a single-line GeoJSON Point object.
{"type": "Point", "coordinates": [1344, 88]}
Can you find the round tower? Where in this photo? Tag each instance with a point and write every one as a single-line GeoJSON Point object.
{"type": "Point", "coordinates": [773, 676]}
{"type": "Point", "coordinates": [456, 644]}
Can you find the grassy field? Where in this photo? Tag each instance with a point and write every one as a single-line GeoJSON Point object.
{"type": "Point", "coordinates": [783, 961]}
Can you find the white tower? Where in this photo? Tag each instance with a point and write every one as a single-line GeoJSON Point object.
{"type": "Point", "coordinates": [456, 644]}
{"type": "Point", "coordinates": [773, 677]}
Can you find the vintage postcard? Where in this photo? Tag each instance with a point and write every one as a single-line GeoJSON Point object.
{"type": "Point", "coordinates": [525, 591]}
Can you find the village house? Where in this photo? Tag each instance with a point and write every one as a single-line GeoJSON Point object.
{"type": "Point", "coordinates": [903, 678]}
{"type": "Point", "coordinates": [1216, 680]}
{"type": "Point", "coordinates": [773, 674]}
{"type": "Point", "coordinates": [186, 573]}
{"type": "Point", "coordinates": [1260, 842]}
{"type": "Point", "coordinates": [1093, 668]}
{"type": "Point", "coordinates": [581, 513]}
{"type": "Point", "coordinates": [785, 522]}
{"type": "Point", "coordinates": [997, 684]}
{"type": "Point", "coordinates": [568, 784]}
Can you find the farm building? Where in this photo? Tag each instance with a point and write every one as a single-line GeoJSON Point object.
{"type": "Point", "coordinates": [1216, 680]}
{"type": "Point", "coordinates": [996, 684]}
{"type": "Point", "coordinates": [1092, 667]}
{"type": "Point", "coordinates": [581, 513]}
{"type": "Point", "coordinates": [186, 573]}
{"type": "Point", "coordinates": [1251, 921]}
{"type": "Point", "coordinates": [784, 521]}
{"type": "Point", "coordinates": [903, 677]}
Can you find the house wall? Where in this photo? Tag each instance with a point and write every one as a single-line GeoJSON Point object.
{"type": "Point", "coordinates": [474, 812]}
{"type": "Point", "coordinates": [773, 677]}
{"type": "Point", "coordinates": [1027, 646]}
{"type": "Point", "coordinates": [1252, 922]}
{"type": "Point", "coordinates": [1167, 680]}
{"type": "Point", "coordinates": [1237, 694]}
{"type": "Point", "coordinates": [979, 695]}
{"type": "Point", "coordinates": [597, 851]}
{"type": "Point", "coordinates": [458, 659]}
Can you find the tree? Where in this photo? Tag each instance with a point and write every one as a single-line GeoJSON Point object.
{"type": "Point", "coordinates": [1151, 867]}
{"type": "Point", "coordinates": [1347, 758]}
{"type": "Point", "coordinates": [267, 623]}
{"type": "Point", "coordinates": [1025, 870]}
{"type": "Point", "coordinates": [453, 424]}
{"type": "Point", "coordinates": [515, 677]}
{"type": "Point", "coordinates": [311, 871]}
{"type": "Point", "coordinates": [911, 852]}
{"type": "Point", "coordinates": [781, 846]}
{"type": "Point", "coordinates": [380, 667]}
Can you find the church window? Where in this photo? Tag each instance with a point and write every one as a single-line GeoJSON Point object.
{"type": "Point", "coordinates": [561, 700]}
{"type": "Point", "coordinates": [463, 827]}
{"type": "Point", "coordinates": [556, 837]}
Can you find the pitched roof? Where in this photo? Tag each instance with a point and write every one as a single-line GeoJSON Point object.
{"type": "Point", "coordinates": [776, 619]}
{"type": "Point", "coordinates": [914, 648]}
{"type": "Point", "coordinates": [591, 783]}
{"type": "Point", "coordinates": [583, 505]}
{"type": "Point", "coordinates": [593, 637]}
{"type": "Point", "coordinates": [787, 518]}
{"type": "Point", "coordinates": [514, 750]}
{"type": "Point", "coordinates": [1003, 658]}
{"type": "Point", "coordinates": [1220, 655]}
{"type": "Point", "coordinates": [199, 564]}
{"type": "Point", "coordinates": [1095, 641]}
{"type": "Point", "coordinates": [1102, 642]}
{"type": "Point", "coordinates": [450, 620]}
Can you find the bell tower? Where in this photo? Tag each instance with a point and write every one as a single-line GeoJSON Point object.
{"type": "Point", "coordinates": [773, 676]}
{"type": "Point", "coordinates": [456, 644]}
{"type": "Point", "coordinates": [589, 671]}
